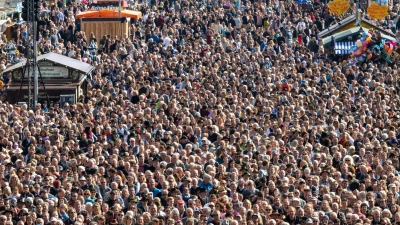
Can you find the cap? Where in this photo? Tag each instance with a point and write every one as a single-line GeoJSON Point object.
{"type": "Point", "coordinates": [309, 220]}
{"type": "Point", "coordinates": [285, 179]}
{"type": "Point", "coordinates": [29, 200]}
{"type": "Point", "coordinates": [197, 210]}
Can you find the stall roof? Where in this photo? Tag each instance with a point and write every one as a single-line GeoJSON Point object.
{"type": "Point", "coordinates": [59, 59]}
{"type": "Point", "coordinates": [11, 6]}
{"type": "Point", "coordinates": [109, 14]}
{"type": "Point", "coordinates": [346, 33]}
{"type": "Point", "coordinates": [10, 3]}
{"type": "Point", "coordinates": [350, 22]}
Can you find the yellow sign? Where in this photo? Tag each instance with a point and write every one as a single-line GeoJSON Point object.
{"type": "Point", "coordinates": [338, 7]}
{"type": "Point", "coordinates": [377, 12]}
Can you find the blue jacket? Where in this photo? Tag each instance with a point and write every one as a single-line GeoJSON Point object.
{"type": "Point", "coordinates": [208, 186]}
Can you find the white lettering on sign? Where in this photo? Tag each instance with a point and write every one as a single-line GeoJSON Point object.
{"type": "Point", "coordinates": [98, 8]}
{"type": "Point", "coordinates": [54, 72]}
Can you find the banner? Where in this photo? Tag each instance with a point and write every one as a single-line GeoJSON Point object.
{"type": "Point", "coordinates": [338, 7]}
{"type": "Point", "coordinates": [378, 12]}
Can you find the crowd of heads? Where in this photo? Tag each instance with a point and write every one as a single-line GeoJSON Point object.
{"type": "Point", "coordinates": [206, 112]}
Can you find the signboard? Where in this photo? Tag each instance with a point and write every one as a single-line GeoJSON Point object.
{"type": "Point", "coordinates": [110, 5]}
{"type": "Point", "coordinates": [52, 72]}
{"type": "Point", "coordinates": [45, 63]}
{"type": "Point", "coordinates": [101, 7]}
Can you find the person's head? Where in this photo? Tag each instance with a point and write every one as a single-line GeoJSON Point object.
{"type": "Point", "coordinates": [72, 214]}
{"type": "Point", "coordinates": [3, 219]}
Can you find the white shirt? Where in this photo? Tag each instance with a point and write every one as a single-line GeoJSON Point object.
{"type": "Point", "coordinates": [302, 26]}
{"type": "Point", "coordinates": [167, 42]}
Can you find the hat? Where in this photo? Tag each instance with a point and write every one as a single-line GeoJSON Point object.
{"type": "Point", "coordinates": [144, 198]}
{"type": "Point", "coordinates": [91, 187]}
{"type": "Point", "coordinates": [221, 189]}
{"type": "Point", "coordinates": [197, 210]}
{"type": "Point", "coordinates": [180, 202]}
{"type": "Point", "coordinates": [394, 140]}
{"type": "Point", "coordinates": [354, 185]}
{"type": "Point", "coordinates": [201, 189]}
{"type": "Point", "coordinates": [7, 211]}
{"type": "Point", "coordinates": [276, 213]}
{"type": "Point", "coordinates": [325, 171]}
{"type": "Point", "coordinates": [17, 151]}
{"type": "Point", "coordinates": [186, 179]}
{"type": "Point", "coordinates": [132, 199]}
{"type": "Point", "coordinates": [295, 199]}
{"type": "Point", "coordinates": [29, 200]}
{"type": "Point", "coordinates": [82, 178]}
{"type": "Point", "coordinates": [205, 176]}
{"type": "Point", "coordinates": [24, 211]}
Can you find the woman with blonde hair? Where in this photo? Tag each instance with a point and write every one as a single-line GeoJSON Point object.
{"type": "Point", "coordinates": [146, 218]}
{"type": "Point", "coordinates": [386, 214]}
{"type": "Point", "coordinates": [96, 209]}
{"type": "Point", "coordinates": [127, 220]}
{"type": "Point", "coordinates": [247, 204]}
{"type": "Point", "coordinates": [14, 181]}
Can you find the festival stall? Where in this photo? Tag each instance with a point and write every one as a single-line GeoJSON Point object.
{"type": "Point", "coordinates": [342, 39]}
{"type": "Point", "coordinates": [107, 22]}
{"type": "Point", "coordinates": [62, 75]}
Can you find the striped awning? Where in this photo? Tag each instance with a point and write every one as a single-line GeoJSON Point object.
{"type": "Point", "coordinates": [343, 48]}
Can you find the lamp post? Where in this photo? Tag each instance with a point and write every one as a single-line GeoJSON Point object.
{"type": "Point", "coordinates": [119, 9]}
{"type": "Point", "coordinates": [357, 11]}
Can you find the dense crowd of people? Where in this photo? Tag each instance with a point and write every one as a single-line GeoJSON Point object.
{"type": "Point", "coordinates": [210, 112]}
